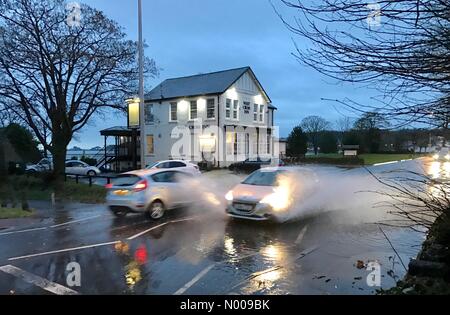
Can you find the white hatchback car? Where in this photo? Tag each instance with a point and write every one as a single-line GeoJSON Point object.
{"type": "Point", "coordinates": [150, 191]}
{"type": "Point", "coordinates": [75, 167]}
{"type": "Point", "coordinates": [179, 165]}
{"type": "Point", "coordinates": [271, 193]}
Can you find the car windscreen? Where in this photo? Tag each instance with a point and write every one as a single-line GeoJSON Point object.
{"type": "Point", "coordinates": [262, 178]}
{"type": "Point", "coordinates": [152, 165]}
{"type": "Point", "coordinates": [125, 180]}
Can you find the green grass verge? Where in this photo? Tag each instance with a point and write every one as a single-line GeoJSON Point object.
{"type": "Point", "coordinates": [373, 158]}
{"type": "Point", "coordinates": [37, 189]}
{"type": "Point", "coordinates": [71, 192]}
{"type": "Point", "coordinates": [369, 158]}
{"type": "Point", "coordinates": [11, 213]}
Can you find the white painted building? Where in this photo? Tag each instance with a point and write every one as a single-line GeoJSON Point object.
{"type": "Point", "coordinates": [221, 117]}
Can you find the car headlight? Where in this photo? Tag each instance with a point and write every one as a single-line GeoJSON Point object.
{"type": "Point", "coordinates": [436, 156]}
{"type": "Point", "coordinates": [278, 201]}
{"type": "Point", "coordinates": [229, 196]}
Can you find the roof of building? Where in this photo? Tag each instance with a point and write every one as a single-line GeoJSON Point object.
{"type": "Point", "coordinates": [200, 84]}
{"type": "Point", "coordinates": [117, 131]}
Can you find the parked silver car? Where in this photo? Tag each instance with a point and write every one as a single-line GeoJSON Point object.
{"type": "Point", "coordinates": [180, 165]}
{"type": "Point", "coordinates": [150, 191]}
{"type": "Point", "coordinates": [75, 167]}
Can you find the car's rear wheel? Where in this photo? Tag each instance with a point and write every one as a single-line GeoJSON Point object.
{"type": "Point", "coordinates": [156, 210]}
{"type": "Point", "coordinates": [91, 173]}
{"type": "Point", "coordinates": [120, 213]}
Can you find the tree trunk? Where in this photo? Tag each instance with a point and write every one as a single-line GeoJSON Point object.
{"type": "Point", "coordinates": [59, 151]}
{"type": "Point", "coordinates": [3, 174]}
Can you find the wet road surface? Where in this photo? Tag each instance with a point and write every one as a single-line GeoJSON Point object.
{"type": "Point", "coordinates": [201, 251]}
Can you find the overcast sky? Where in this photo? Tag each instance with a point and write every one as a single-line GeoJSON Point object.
{"type": "Point", "coordinates": [197, 36]}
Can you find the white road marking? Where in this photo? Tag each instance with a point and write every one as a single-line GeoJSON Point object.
{"type": "Point", "coordinates": [385, 163]}
{"type": "Point", "coordinates": [63, 250]}
{"type": "Point", "coordinates": [159, 226]}
{"type": "Point", "coordinates": [23, 231]}
{"type": "Point", "coordinates": [74, 221]}
{"type": "Point", "coordinates": [51, 226]}
{"type": "Point", "coordinates": [37, 281]}
{"type": "Point", "coordinates": [194, 280]}
{"type": "Point", "coordinates": [301, 235]}
{"type": "Point", "coordinates": [146, 231]}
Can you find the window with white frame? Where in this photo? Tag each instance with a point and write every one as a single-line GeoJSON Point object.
{"type": "Point", "coordinates": [193, 110]}
{"type": "Point", "coordinates": [210, 108]}
{"type": "Point", "coordinates": [230, 140]}
{"type": "Point", "coordinates": [261, 113]}
{"type": "Point", "coordinates": [236, 109]}
{"type": "Point", "coordinates": [150, 145]}
{"type": "Point", "coordinates": [255, 112]}
{"type": "Point", "coordinates": [173, 111]}
{"type": "Point", "coordinates": [149, 114]}
{"type": "Point", "coordinates": [228, 108]}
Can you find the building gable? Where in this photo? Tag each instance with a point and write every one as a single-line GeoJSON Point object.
{"type": "Point", "coordinates": [249, 84]}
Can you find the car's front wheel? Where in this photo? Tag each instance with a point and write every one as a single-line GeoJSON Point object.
{"type": "Point", "coordinates": [91, 173]}
{"type": "Point", "coordinates": [156, 210]}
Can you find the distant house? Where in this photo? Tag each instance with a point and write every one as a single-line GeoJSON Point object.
{"type": "Point", "coordinates": [227, 116]}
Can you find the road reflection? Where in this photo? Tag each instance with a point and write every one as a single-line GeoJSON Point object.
{"type": "Point", "coordinates": [438, 170]}
{"type": "Point", "coordinates": [133, 262]}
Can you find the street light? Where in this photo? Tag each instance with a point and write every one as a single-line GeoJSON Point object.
{"type": "Point", "coordinates": [141, 83]}
{"type": "Point", "coordinates": [133, 124]}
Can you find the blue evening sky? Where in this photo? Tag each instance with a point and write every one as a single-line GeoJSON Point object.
{"type": "Point", "coordinates": [197, 36]}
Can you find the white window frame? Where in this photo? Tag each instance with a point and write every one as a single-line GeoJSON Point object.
{"type": "Point", "coordinates": [235, 110]}
{"type": "Point", "coordinates": [149, 108]}
{"type": "Point", "coordinates": [190, 109]}
{"type": "Point", "coordinates": [261, 113]}
{"type": "Point", "coordinates": [255, 112]}
{"type": "Point", "coordinates": [170, 111]}
{"type": "Point", "coordinates": [214, 108]}
{"type": "Point", "coordinates": [228, 106]}
{"type": "Point", "coordinates": [147, 147]}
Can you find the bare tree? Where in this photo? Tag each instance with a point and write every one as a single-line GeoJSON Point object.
{"type": "Point", "coordinates": [55, 75]}
{"type": "Point", "coordinates": [400, 47]}
{"type": "Point", "coordinates": [313, 126]}
{"type": "Point", "coordinates": [416, 200]}
{"type": "Point", "coordinates": [343, 125]}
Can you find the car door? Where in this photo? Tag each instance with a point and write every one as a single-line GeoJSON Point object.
{"type": "Point", "coordinates": [70, 167]}
{"type": "Point", "coordinates": [167, 187]}
{"type": "Point", "coordinates": [75, 167]}
{"type": "Point", "coordinates": [183, 184]}
{"type": "Point", "coordinates": [80, 168]}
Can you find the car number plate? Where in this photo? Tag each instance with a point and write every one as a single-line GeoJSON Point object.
{"type": "Point", "coordinates": [121, 192]}
{"type": "Point", "coordinates": [242, 206]}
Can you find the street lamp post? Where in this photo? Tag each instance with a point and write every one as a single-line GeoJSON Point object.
{"type": "Point", "coordinates": [141, 85]}
{"type": "Point", "coordinates": [133, 124]}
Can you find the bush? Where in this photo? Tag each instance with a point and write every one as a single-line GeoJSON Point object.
{"type": "Point", "coordinates": [16, 168]}
{"type": "Point", "coordinates": [88, 160]}
{"type": "Point", "coordinates": [328, 142]}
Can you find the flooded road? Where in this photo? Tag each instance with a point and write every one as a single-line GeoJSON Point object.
{"type": "Point", "coordinates": [201, 251]}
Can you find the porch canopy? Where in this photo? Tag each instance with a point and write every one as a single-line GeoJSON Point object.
{"type": "Point", "coordinates": [117, 131]}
